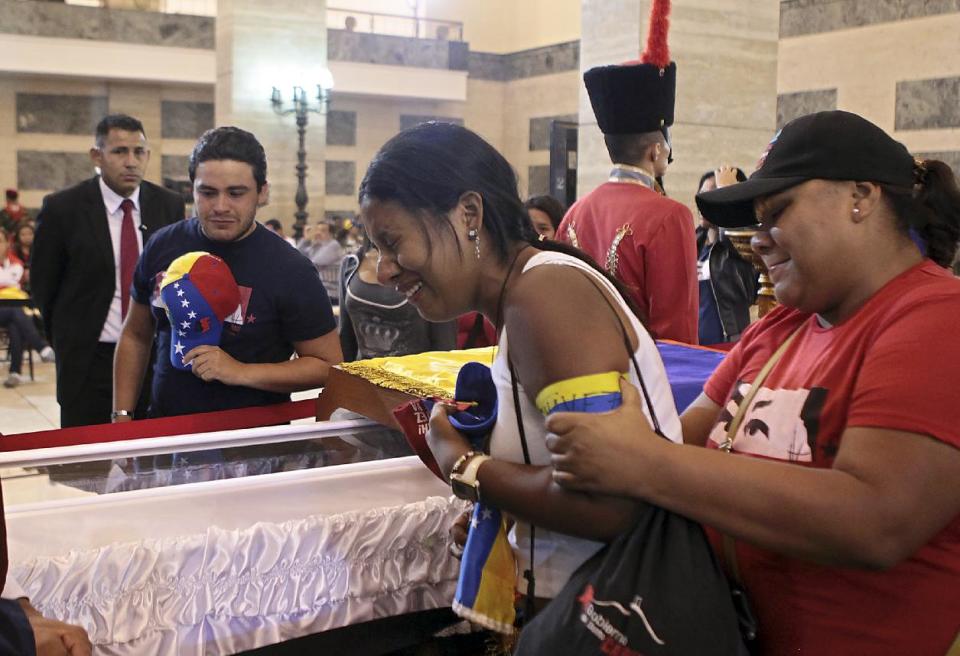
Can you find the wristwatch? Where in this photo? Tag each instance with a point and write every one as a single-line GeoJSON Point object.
{"type": "Point", "coordinates": [463, 477]}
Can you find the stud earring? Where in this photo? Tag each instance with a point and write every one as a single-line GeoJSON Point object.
{"type": "Point", "coordinates": [856, 211]}
{"type": "Point", "coordinates": [472, 234]}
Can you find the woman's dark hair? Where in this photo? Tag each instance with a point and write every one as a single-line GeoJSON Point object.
{"type": "Point", "coordinates": [233, 144]}
{"type": "Point", "coordinates": [427, 168]}
{"type": "Point", "coordinates": [741, 177]}
{"type": "Point", "coordinates": [930, 210]}
{"type": "Point", "coordinates": [549, 206]}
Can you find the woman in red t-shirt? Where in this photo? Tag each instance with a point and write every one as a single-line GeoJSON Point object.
{"type": "Point", "coordinates": [842, 488]}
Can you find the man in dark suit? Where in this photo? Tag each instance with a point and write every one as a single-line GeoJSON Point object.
{"type": "Point", "coordinates": [88, 239]}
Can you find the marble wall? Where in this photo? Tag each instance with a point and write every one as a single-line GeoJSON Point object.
{"type": "Point", "coordinates": [59, 114]}
{"type": "Point", "coordinates": [39, 170]}
{"type": "Point", "coordinates": [341, 128]}
{"type": "Point", "coordinates": [538, 180]}
{"type": "Point", "coordinates": [526, 63]}
{"type": "Point", "coordinates": [800, 17]}
{"type": "Point", "coordinates": [928, 104]}
{"type": "Point", "coordinates": [526, 100]}
{"type": "Point", "coordinates": [75, 22]}
{"type": "Point", "coordinates": [47, 127]}
{"type": "Point", "coordinates": [341, 178]}
{"type": "Point", "coordinates": [185, 120]}
{"type": "Point", "coordinates": [540, 129]}
{"type": "Point", "coordinates": [794, 105]}
{"type": "Point", "coordinates": [395, 50]}
{"type": "Point", "coordinates": [175, 167]}
{"type": "Point", "coordinates": [901, 72]}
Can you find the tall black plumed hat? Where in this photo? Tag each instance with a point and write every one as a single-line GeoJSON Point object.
{"type": "Point", "coordinates": [637, 96]}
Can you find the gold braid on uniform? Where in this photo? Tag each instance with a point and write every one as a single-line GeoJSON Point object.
{"type": "Point", "coordinates": [613, 258]}
{"type": "Point", "coordinates": [572, 235]}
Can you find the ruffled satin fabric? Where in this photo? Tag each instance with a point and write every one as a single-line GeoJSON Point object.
{"type": "Point", "coordinates": [431, 374]}
{"type": "Point", "coordinates": [227, 591]}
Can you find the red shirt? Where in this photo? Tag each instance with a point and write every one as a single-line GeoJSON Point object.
{"type": "Point", "coordinates": [893, 365]}
{"type": "Point", "coordinates": [655, 257]}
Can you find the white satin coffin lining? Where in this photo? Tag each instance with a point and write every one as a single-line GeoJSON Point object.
{"type": "Point", "coordinates": [226, 591]}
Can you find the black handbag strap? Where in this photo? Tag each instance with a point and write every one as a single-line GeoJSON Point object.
{"type": "Point", "coordinates": [529, 604]}
{"type": "Point", "coordinates": [528, 574]}
{"type": "Point", "coordinates": [632, 355]}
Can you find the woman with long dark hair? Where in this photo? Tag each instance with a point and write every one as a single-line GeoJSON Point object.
{"type": "Point", "coordinates": [442, 207]}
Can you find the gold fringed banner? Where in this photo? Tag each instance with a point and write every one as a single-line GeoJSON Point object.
{"type": "Point", "coordinates": [432, 374]}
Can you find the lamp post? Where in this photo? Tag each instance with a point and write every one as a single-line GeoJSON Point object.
{"type": "Point", "coordinates": [301, 108]}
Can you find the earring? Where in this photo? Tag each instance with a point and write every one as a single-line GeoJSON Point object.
{"type": "Point", "coordinates": [474, 236]}
{"type": "Point", "coordinates": [856, 211]}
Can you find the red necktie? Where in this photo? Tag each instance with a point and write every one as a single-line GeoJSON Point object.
{"type": "Point", "coordinates": [129, 252]}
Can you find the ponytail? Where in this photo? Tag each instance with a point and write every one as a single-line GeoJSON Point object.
{"type": "Point", "coordinates": [931, 210]}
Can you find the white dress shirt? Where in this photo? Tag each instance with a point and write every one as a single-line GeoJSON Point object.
{"type": "Point", "coordinates": [111, 202]}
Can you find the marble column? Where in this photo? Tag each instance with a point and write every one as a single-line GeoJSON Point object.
{"type": "Point", "coordinates": [8, 132]}
{"type": "Point", "coordinates": [281, 43]}
{"type": "Point", "coordinates": [726, 55]}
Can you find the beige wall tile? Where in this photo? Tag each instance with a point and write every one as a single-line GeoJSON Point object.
{"type": "Point", "coordinates": [141, 100]}
{"type": "Point", "coordinates": [865, 64]}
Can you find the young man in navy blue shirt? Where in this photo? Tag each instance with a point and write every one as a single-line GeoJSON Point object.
{"type": "Point", "coordinates": [284, 308]}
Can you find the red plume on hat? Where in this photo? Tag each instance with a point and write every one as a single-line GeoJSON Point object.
{"type": "Point", "coordinates": [657, 51]}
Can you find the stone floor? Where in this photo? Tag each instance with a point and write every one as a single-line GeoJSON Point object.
{"type": "Point", "coordinates": [33, 405]}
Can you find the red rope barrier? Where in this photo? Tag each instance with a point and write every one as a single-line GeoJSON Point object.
{"type": "Point", "coordinates": [205, 422]}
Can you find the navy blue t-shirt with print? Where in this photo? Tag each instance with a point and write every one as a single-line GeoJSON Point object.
{"type": "Point", "coordinates": [282, 301]}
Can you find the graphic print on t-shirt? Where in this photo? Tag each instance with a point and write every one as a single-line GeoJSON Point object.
{"type": "Point", "coordinates": [780, 423]}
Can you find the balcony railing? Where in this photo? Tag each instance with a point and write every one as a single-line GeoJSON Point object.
{"type": "Point", "coordinates": [393, 24]}
{"type": "Point", "coordinates": [349, 20]}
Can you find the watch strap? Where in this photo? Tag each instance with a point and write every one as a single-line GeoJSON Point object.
{"type": "Point", "coordinates": [469, 475]}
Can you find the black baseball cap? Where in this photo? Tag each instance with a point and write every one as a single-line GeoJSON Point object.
{"type": "Point", "coordinates": [832, 145]}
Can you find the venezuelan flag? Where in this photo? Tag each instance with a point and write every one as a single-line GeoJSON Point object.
{"type": "Point", "coordinates": [488, 573]}
{"type": "Point", "coordinates": [487, 585]}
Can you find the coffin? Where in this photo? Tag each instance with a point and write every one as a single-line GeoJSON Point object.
{"type": "Point", "coordinates": [223, 566]}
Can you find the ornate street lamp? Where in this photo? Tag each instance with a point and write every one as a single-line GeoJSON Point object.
{"type": "Point", "coordinates": [301, 108]}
